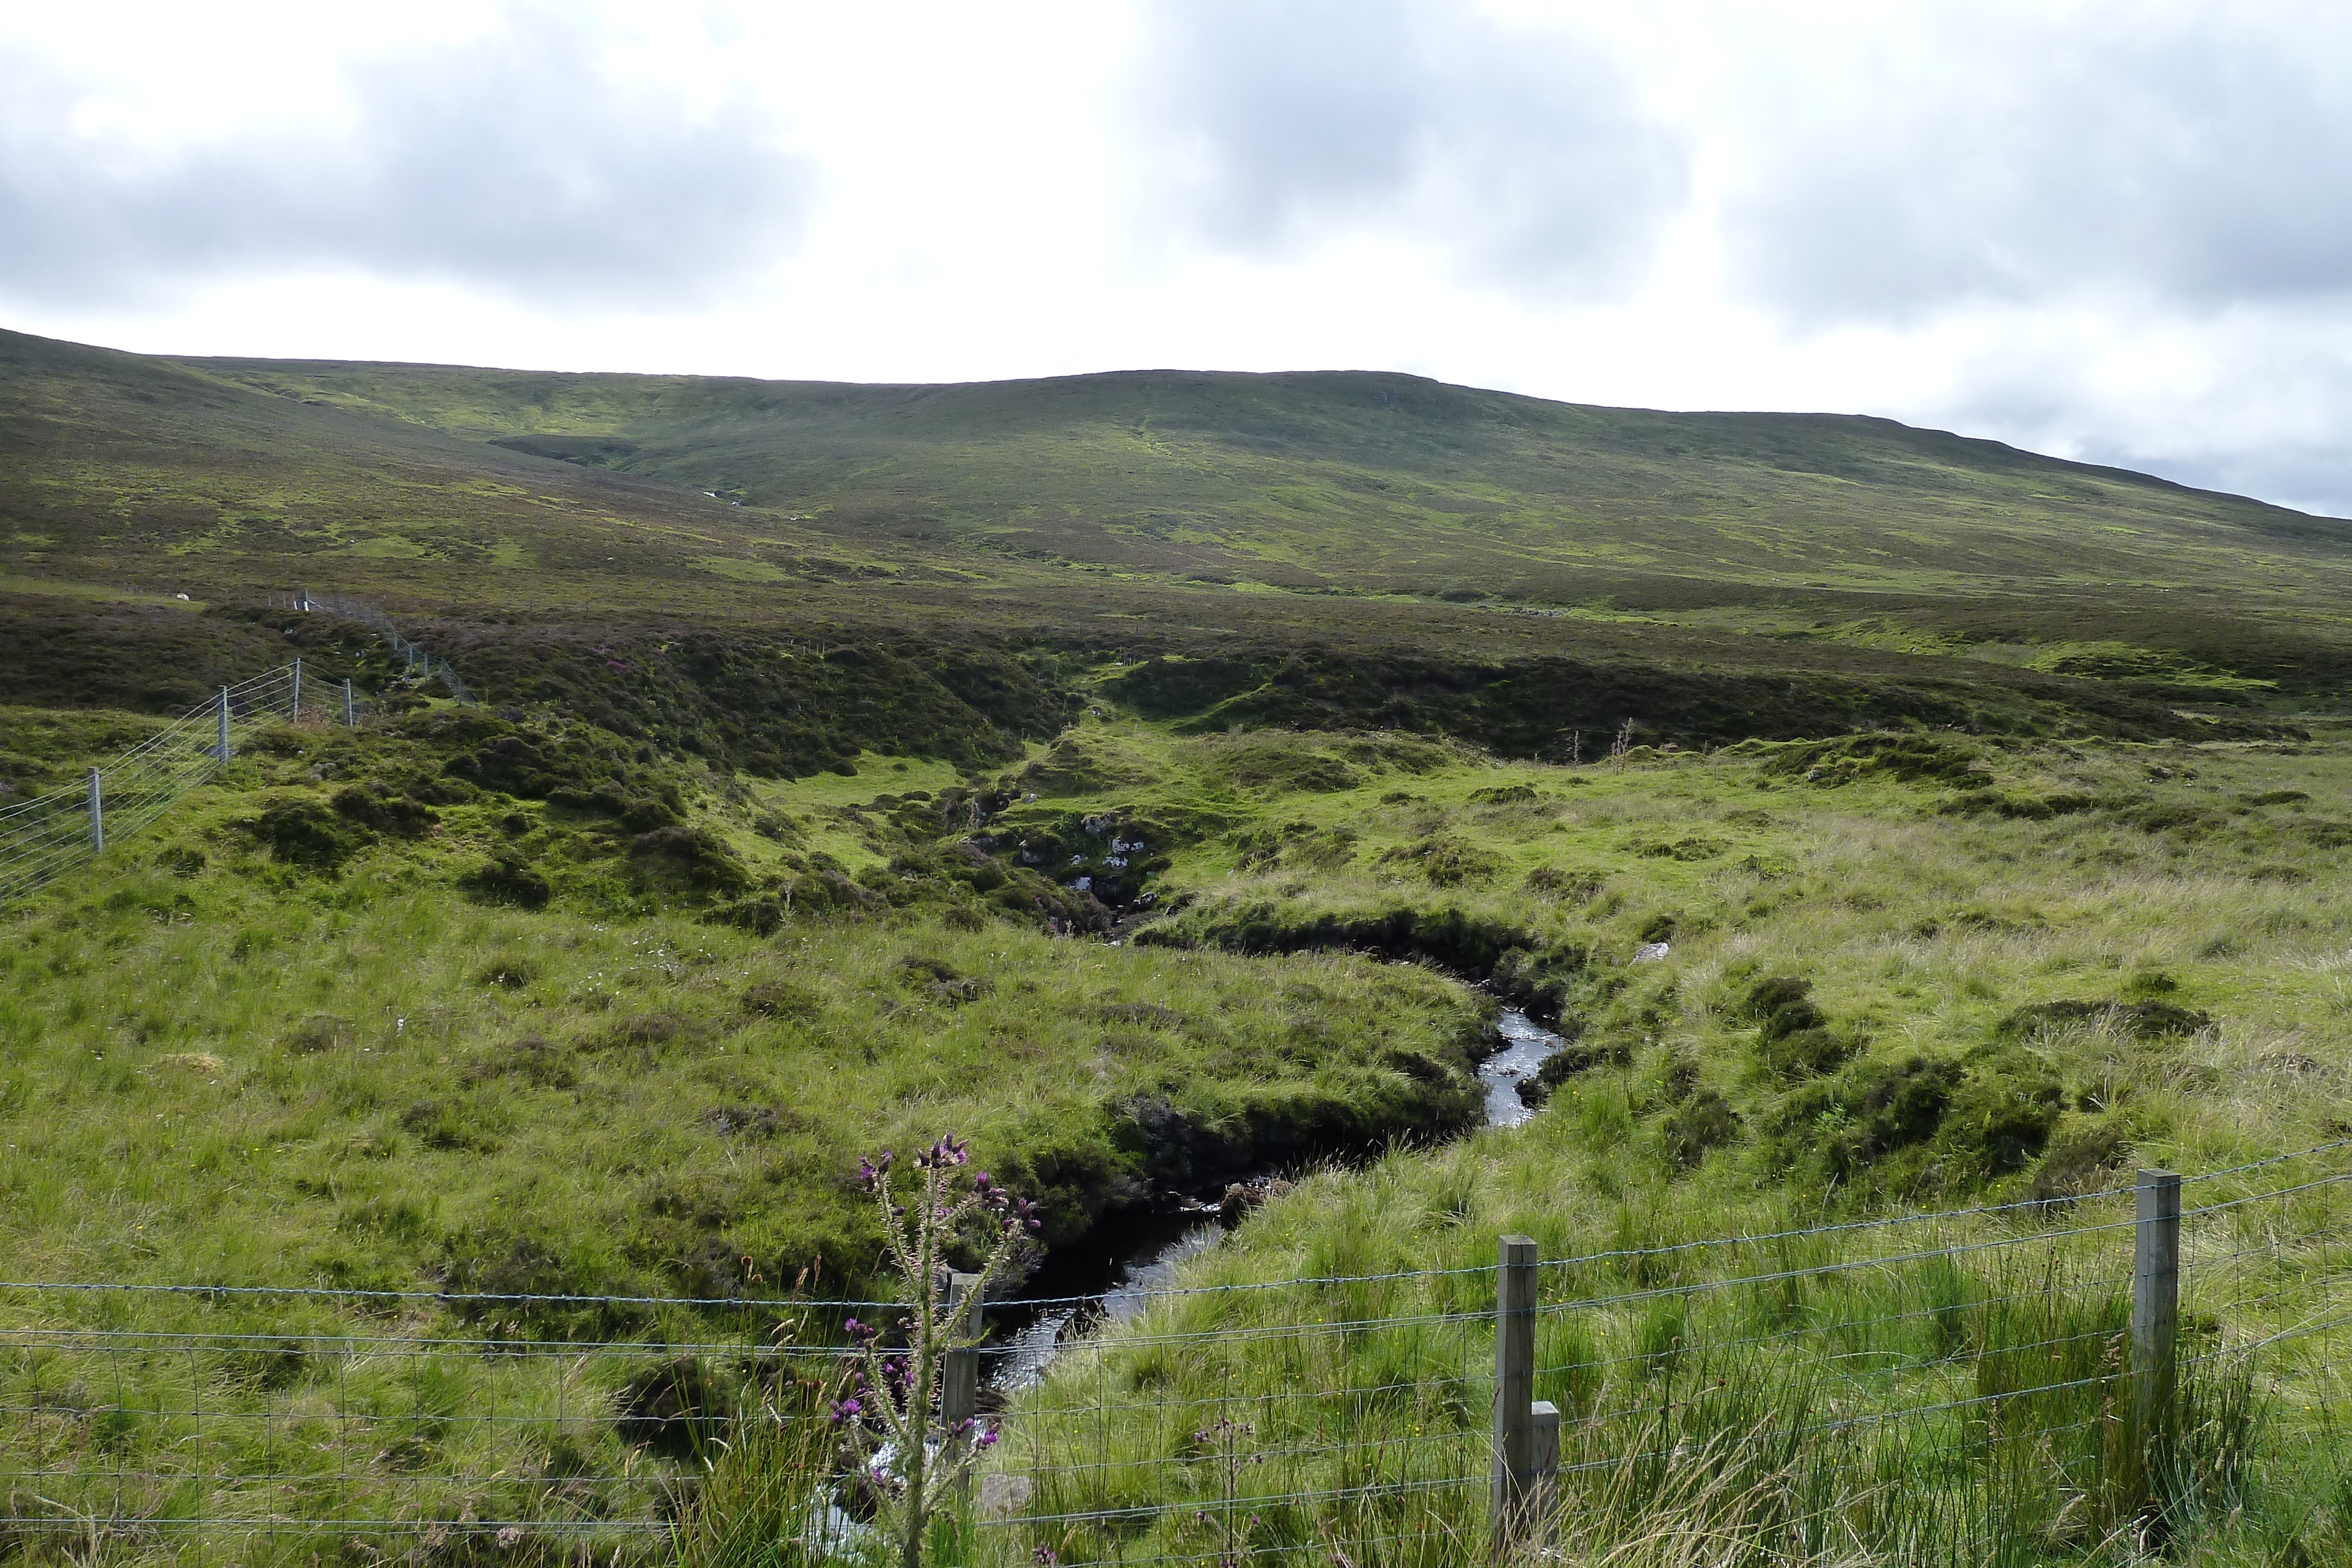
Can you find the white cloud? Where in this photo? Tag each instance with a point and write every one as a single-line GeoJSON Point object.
{"type": "Point", "coordinates": [523, 161]}
{"type": "Point", "coordinates": [1517, 153]}
{"type": "Point", "coordinates": [2193, 157]}
{"type": "Point", "coordinates": [2106, 230]}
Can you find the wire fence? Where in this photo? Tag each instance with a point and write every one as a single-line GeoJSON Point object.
{"type": "Point", "coordinates": [2011, 1369]}
{"type": "Point", "coordinates": [44, 836]}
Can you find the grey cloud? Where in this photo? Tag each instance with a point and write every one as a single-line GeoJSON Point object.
{"type": "Point", "coordinates": [1520, 155]}
{"type": "Point", "coordinates": [518, 165]}
{"type": "Point", "coordinates": [2259, 415]}
{"type": "Point", "coordinates": [2198, 160]}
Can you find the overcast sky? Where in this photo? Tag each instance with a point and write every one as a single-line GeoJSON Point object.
{"type": "Point", "coordinates": [2119, 231]}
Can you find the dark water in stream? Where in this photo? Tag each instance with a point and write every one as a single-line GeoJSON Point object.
{"type": "Point", "coordinates": [1151, 1246]}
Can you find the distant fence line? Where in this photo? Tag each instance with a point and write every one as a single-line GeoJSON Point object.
{"type": "Point", "coordinates": [422, 663]}
{"type": "Point", "coordinates": [1416, 1415]}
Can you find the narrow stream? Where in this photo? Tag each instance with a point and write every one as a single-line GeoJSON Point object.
{"type": "Point", "coordinates": [1526, 1043]}
{"type": "Point", "coordinates": [1156, 1244]}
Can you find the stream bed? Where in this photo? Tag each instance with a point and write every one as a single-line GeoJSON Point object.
{"type": "Point", "coordinates": [1153, 1245]}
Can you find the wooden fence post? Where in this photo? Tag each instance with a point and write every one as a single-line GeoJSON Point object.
{"type": "Point", "coordinates": [96, 815]}
{"type": "Point", "coordinates": [297, 713]}
{"type": "Point", "coordinates": [1515, 1382]}
{"type": "Point", "coordinates": [222, 751]}
{"type": "Point", "coordinates": [1543, 1496]}
{"type": "Point", "coordinates": [2155, 1321]}
{"type": "Point", "coordinates": [960, 1374]}
{"type": "Point", "coordinates": [349, 721]}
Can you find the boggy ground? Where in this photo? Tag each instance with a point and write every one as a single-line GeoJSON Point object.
{"type": "Point", "coordinates": [515, 1005]}
{"type": "Point", "coordinates": [2144, 942]}
{"type": "Point", "coordinates": [479, 1011]}
{"type": "Point", "coordinates": [1803, 984]}
{"type": "Point", "coordinates": [501, 1008]}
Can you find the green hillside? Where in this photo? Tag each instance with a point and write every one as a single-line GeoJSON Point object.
{"type": "Point", "coordinates": [1327, 547]}
{"type": "Point", "coordinates": [1370, 482]}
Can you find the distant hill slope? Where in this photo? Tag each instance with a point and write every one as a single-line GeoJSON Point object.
{"type": "Point", "coordinates": [1371, 482]}
{"type": "Point", "coordinates": [1327, 547]}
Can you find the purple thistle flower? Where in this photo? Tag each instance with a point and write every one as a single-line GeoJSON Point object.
{"type": "Point", "coordinates": [1044, 1557]}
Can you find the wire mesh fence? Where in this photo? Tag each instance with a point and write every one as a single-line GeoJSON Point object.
{"type": "Point", "coordinates": [1926, 1387]}
{"type": "Point", "coordinates": [43, 836]}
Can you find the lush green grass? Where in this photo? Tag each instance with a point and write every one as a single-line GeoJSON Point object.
{"type": "Point", "coordinates": [1927, 889]}
{"type": "Point", "coordinates": [312, 1033]}
{"type": "Point", "coordinates": [293, 1049]}
{"type": "Point", "coordinates": [1936, 896]}
{"type": "Point", "coordinates": [297, 1049]}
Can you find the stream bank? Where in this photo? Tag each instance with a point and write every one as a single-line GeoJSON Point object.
{"type": "Point", "coordinates": [1130, 1257]}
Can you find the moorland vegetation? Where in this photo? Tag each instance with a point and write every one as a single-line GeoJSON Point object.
{"type": "Point", "coordinates": [1158, 779]}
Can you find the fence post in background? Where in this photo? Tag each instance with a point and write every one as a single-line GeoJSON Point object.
{"type": "Point", "coordinates": [959, 1377]}
{"type": "Point", "coordinates": [2156, 1319]}
{"type": "Point", "coordinates": [1514, 1384]}
{"type": "Point", "coordinates": [221, 750]}
{"type": "Point", "coordinates": [96, 815]}
{"type": "Point", "coordinates": [1543, 1493]}
{"type": "Point", "coordinates": [348, 721]}
{"type": "Point", "coordinates": [297, 691]}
